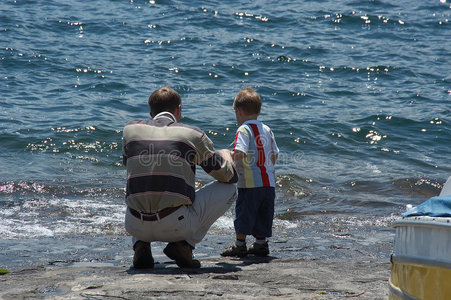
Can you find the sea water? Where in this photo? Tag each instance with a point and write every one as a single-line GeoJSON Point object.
{"type": "Point", "coordinates": [357, 93]}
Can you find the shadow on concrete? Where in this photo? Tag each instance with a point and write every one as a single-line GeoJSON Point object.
{"type": "Point", "coordinates": [221, 267]}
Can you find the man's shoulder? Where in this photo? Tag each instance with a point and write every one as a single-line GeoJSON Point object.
{"type": "Point", "coordinates": [193, 128]}
{"type": "Point", "coordinates": [172, 125]}
{"type": "Point", "coordinates": [150, 128]}
{"type": "Point", "coordinates": [138, 122]}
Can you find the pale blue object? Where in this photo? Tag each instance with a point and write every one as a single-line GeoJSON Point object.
{"type": "Point", "coordinates": [439, 206]}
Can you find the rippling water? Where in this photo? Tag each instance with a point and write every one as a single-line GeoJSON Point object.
{"type": "Point", "coordinates": [358, 94]}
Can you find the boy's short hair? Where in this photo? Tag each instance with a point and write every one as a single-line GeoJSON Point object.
{"type": "Point", "coordinates": [164, 99]}
{"type": "Point", "coordinates": [248, 100]}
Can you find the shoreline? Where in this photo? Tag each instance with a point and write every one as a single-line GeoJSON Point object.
{"type": "Point", "coordinates": [225, 278]}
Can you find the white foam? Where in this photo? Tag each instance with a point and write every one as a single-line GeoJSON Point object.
{"type": "Point", "coordinates": [285, 224]}
{"type": "Point", "coordinates": [5, 228]}
{"type": "Point", "coordinates": [37, 230]}
{"type": "Point", "coordinates": [53, 216]}
{"type": "Point", "coordinates": [59, 216]}
{"type": "Point", "coordinates": [224, 222]}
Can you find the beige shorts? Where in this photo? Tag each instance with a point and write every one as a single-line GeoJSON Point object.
{"type": "Point", "coordinates": [189, 223]}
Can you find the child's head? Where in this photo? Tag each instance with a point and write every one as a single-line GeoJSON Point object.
{"type": "Point", "coordinates": [247, 105]}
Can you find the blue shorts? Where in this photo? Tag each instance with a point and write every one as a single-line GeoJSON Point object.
{"type": "Point", "coordinates": [254, 211]}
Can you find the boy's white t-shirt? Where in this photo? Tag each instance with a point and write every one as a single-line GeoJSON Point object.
{"type": "Point", "coordinates": [256, 140]}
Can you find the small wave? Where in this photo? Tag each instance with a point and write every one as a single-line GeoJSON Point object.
{"type": "Point", "coordinates": [396, 120]}
{"type": "Point", "coordinates": [422, 188]}
{"type": "Point", "coordinates": [45, 191]}
{"type": "Point", "coordinates": [96, 144]}
{"type": "Point", "coordinates": [293, 185]}
{"type": "Point", "coordinates": [49, 216]}
{"type": "Point", "coordinates": [346, 221]}
{"type": "Point", "coordinates": [21, 186]}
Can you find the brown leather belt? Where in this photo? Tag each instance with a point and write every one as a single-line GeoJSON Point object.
{"type": "Point", "coordinates": [154, 216]}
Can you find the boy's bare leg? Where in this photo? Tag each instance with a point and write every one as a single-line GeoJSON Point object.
{"type": "Point", "coordinates": [241, 237]}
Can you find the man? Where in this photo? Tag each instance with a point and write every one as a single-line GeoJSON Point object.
{"type": "Point", "coordinates": [162, 205]}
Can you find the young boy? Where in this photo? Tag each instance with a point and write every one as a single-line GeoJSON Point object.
{"type": "Point", "coordinates": [255, 153]}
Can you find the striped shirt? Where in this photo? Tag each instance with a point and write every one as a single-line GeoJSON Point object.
{"type": "Point", "coordinates": [161, 157]}
{"type": "Point", "coordinates": [256, 140]}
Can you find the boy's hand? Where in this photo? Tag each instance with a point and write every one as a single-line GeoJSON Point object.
{"type": "Point", "coordinates": [238, 155]}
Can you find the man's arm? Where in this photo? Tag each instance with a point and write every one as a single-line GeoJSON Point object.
{"type": "Point", "coordinates": [124, 155]}
{"type": "Point", "coordinates": [220, 166]}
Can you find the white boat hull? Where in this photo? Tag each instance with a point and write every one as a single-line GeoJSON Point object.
{"type": "Point", "coordinates": [421, 260]}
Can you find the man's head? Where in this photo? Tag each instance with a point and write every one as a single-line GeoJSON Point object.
{"type": "Point", "coordinates": [247, 105]}
{"type": "Point", "coordinates": [165, 99]}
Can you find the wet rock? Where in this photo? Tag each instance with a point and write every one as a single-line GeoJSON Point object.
{"type": "Point", "coordinates": [225, 278]}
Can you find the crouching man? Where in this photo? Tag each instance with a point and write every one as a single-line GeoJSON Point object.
{"type": "Point", "coordinates": [161, 155]}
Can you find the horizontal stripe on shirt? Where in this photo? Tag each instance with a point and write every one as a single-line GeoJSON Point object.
{"type": "Point", "coordinates": [160, 147]}
{"type": "Point", "coordinates": [213, 163]}
{"type": "Point", "coordinates": [160, 183]}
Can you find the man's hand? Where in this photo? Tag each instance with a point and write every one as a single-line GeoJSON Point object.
{"type": "Point", "coordinates": [226, 154]}
{"type": "Point", "coordinates": [228, 168]}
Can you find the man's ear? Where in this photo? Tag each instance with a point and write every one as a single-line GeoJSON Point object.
{"type": "Point", "coordinates": [151, 114]}
{"type": "Point", "coordinates": [178, 113]}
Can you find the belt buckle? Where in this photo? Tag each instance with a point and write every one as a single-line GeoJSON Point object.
{"type": "Point", "coordinates": [150, 215]}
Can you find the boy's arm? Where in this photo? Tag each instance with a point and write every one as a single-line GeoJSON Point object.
{"type": "Point", "coordinates": [275, 149]}
{"type": "Point", "coordinates": [274, 158]}
{"type": "Point", "coordinates": [237, 155]}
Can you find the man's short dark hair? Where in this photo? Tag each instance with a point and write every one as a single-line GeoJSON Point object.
{"type": "Point", "coordinates": [164, 99]}
{"type": "Point", "coordinates": [248, 100]}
